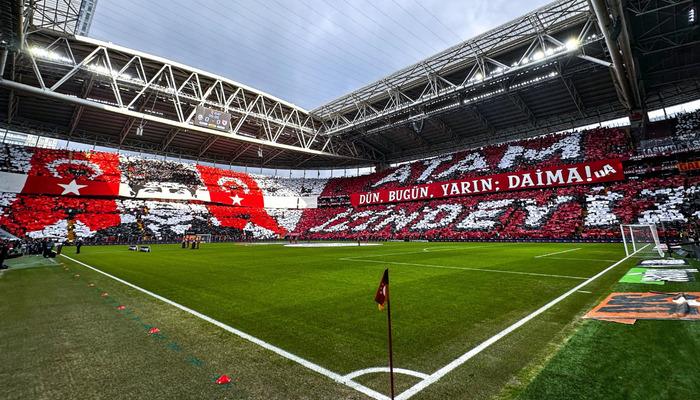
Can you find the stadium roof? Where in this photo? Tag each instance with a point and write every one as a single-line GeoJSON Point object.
{"type": "Point", "coordinates": [567, 64]}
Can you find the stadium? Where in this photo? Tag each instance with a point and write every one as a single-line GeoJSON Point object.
{"type": "Point", "coordinates": [530, 194]}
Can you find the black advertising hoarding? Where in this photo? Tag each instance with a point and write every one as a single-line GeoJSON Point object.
{"type": "Point", "coordinates": [214, 119]}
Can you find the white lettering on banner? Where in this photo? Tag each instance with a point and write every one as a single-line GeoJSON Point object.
{"type": "Point", "coordinates": [400, 175]}
{"type": "Point", "coordinates": [525, 180]}
{"type": "Point", "coordinates": [599, 209]}
{"type": "Point", "coordinates": [536, 214]}
{"type": "Point", "coordinates": [486, 215]}
{"type": "Point", "coordinates": [324, 226]}
{"type": "Point", "coordinates": [668, 204]}
{"type": "Point", "coordinates": [430, 220]}
{"type": "Point", "coordinates": [407, 194]}
{"type": "Point", "coordinates": [471, 162]}
{"type": "Point", "coordinates": [607, 170]}
{"type": "Point", "coordinates": [576, 174]}
{"type": "Point", "coordinates": [569, 147]}
{"type": "Point", "coordinates": [467, 187]}
{"type": "Point", "coordinates": [573, 176]}
{"type": "Point", "coordinates": [397, 219]}
{"type": "Point", "coordinates": [369, 198]}
{"type": "Point", "coordinates": [372, 216]}
{"type": "Point", "coordinates": [431, 166]}
{"type": "Point", "coordinates": [555, 177]}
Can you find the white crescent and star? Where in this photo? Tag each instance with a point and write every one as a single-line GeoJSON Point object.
{"type": "Point", "coordinates": [72, 187]}
{"type": "Point", "coordinates": [236, 200]}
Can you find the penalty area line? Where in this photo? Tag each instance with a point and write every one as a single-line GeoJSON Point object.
{"type": "Point", "coordinates": [308, 364]}
{"type": "Point", "coordinates": [558, 252]}
{"type": "Point", "coordinates": [497, 271]}
{"type": "Point", "coordinates": [435, 376]}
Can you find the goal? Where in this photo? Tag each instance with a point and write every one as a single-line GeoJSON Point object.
{"type": "Point", "coordinates": [202, 237]}
{"type": "Point", "coordinates": [641, 240]}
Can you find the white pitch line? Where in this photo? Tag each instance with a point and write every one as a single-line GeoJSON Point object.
{"type": "Point", "coordinates": [581, 259]}
{"type": "Point", "coordinates": [412, 252]}
{"type": "Point", "coordinates": [308, 364]}
{"type": "Point", "coordinates": [375, 370]}
{"type": "Point", "coordinates": [498, 271]}
{"type": "Point", "coordinates": [558, 252]}
{"type": "Point", "coordinates": [435, 376]}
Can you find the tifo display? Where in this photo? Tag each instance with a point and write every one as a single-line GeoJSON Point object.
{"type": "Point", "coordinates": [144, 199]}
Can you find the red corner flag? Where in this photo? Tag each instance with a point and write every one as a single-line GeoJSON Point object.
{"type": "Point", "coordinates": [382, 299]}
{"type": "Point", "coordinates": [383, 291]}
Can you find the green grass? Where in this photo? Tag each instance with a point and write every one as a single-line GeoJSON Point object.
{"type": "Point", "coordinates": [317, 303]}
{"type": "Point", "coordinates": [604, 360]}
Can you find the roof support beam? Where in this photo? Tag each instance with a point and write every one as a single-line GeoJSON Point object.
{"type": "Point", "coordinates": [159, 120]}
{"type": "Point", "coordinates": [413, 132]}
{"type": "Point", "coordinates": [20, 23]}
{"type": "Point", "coordinates": [207, 145]}
{"type": "Point", "coordinates": [481, 119]}
{"type": "Point", "coordinates": [3, 61]}
{"type": "Point", "coordinates": [240, 153]}
{"type": "Point", "coordinates": [627, 55]}
{"type": "Point", "coordinates": [442, 125]}
{"type": "Point", "coordinates": [602, 14]}
{"type": "Point", "coordinates": [169, 139]}
{"type": "Point", "coordinates": [75, 120]}
{"type": "Point", "coordinates": [573, 93]}
{"type": "Point", "coordinates": [268, 159]}
{"type": "Point", "coordinates": [523, 108]}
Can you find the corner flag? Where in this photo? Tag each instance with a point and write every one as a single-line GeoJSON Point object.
{"type": "Point", "coordinates": [383, 290]}
{"type": "Point", "coordinates": [382, 299]}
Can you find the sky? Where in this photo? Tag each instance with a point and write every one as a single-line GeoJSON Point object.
{"type": "Point", "coordinates": [307, 52]}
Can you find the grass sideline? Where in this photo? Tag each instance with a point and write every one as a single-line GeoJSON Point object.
{"type": "Point", "coordinates": [604, 360]}
{"type": "Point", "coordinates": [317, 303]}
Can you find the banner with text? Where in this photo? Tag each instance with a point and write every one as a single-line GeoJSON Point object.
{"type": "Point", "coordinates": [689, 165]}
{"type": "Point", "coordinates": [564, 175]}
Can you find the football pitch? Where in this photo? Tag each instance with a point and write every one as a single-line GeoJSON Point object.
{"type": "Point", "coordinates": [470, 320]}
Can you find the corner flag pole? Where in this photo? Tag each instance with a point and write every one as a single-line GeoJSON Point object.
{"type": "Point", "coordinates": [382, 300]}
{"type": "Point", "coordinates": [391, 352]}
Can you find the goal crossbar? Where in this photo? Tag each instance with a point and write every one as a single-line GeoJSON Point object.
{"type": "Point", "coordinates": [637, 237]}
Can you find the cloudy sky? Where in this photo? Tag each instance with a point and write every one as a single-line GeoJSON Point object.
{"type": "Point", "coordinates": [307, 52]}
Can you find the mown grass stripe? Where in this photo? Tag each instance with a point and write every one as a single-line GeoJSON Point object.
{"type": "Point", "coordinates": [308, 364]}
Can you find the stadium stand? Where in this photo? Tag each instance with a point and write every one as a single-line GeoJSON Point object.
{"type": "Point", "coordinates": [532, 153]}
{"type": "Point", "coordinates": [163, 200]}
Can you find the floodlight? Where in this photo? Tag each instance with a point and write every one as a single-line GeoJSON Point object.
{"type": "Point", "coordinates": [572, 44]}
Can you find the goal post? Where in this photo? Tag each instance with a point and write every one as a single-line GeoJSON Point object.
{"type": "Point", "coordinates": [204, 237]}
{"type": "Point", "coordinates": [641, 240]}
{"type": "Point", "coordinates": [200, 237]}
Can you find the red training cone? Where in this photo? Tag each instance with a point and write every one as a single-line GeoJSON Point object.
{"type": "Point", "coordinates": [121, 307]}
{"type": "Point", "coordinates": [223, 380]}
{"type": "Point", "coordinates": [153, 331]}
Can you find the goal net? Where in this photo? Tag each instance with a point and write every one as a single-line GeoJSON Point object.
{"type": "Point", "coordinates": [201, 237]}
{"type": "Point", "coordinates": [204, 237]}
{"type": "Point", "coordinates": [641, 240]}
